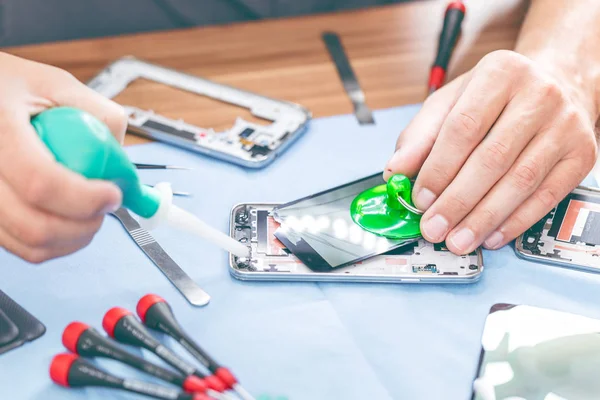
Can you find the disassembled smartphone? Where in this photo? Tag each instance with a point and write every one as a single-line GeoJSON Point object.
{"type": "Point", "coordinates": [319, 230]}
{"type": "Point", "coordinates": [569, 235]}
{"type": "Point", "coordinates": [417, 262]}
{"type": "Point", "coordinates": [247, 144]}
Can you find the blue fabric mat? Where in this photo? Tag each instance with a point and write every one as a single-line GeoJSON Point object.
{"type": "Point", "coordinates": [304, 340]}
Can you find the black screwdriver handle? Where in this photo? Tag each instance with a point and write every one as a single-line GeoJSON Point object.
{"type": "Point", "coordinates": [161, 318]}
{"type": "Point", "coordinates": [157, 314]}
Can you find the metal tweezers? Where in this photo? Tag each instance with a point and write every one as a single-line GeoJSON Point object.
{"type": "Point", "coordinates": [188, 288]}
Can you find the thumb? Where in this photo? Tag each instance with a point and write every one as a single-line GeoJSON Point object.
{"type": "Point", "coordinates": [416, 141]}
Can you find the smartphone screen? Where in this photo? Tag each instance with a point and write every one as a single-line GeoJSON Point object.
{"type": "Point", "coordinates": [538, 354]}
{"type": "Point", "coordinates": [319, 229]}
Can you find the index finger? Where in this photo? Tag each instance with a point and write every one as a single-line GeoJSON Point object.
{"type": "Point", "coordinates": [63, 89]}
{"type": "Point", "coordinates": [35, 176]}
{"type": "Point", "coordinates": [416, 141]}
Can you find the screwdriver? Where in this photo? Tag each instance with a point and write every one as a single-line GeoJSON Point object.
{"type": "Point", "coordinates": [85, 341]}
{"type": "Point", "coordinates": [72, 371]}
{"type": "Point", "coordinates": [453, 18]}
{"type": "Point", "coordinates": [122, 325]}
{"type": "Point", "coordinates": [157, 314]}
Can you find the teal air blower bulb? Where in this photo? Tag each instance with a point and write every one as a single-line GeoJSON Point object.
{"type": "Point", "coordinates": [85, 145]}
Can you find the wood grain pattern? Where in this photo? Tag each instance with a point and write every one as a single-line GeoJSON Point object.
{"type": "Point", "coordinates": [390, 48]}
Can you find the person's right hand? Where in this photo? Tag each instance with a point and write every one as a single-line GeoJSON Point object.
{"type": "Point", "coordinates": [497, 149]}
{"type": "Point", "coordinates": [46, 210]}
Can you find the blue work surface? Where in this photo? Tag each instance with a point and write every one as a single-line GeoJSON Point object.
{"type": "Point", "coordinates": [304, 340]}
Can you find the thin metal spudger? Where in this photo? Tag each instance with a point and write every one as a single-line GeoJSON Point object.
{"type": "Point", "coordinates": [158, 166]}
{"type": "Point", "coordinates": [182, 194]}
{"type": "Point", "coordinates": [338, 55]}
{"type": "Point", "coordinates": [188, 288]}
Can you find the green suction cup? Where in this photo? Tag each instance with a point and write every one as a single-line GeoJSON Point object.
{"type": "Point", "coordinates": [378, 210]}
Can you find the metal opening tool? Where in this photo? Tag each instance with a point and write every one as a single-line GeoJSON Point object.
{"type": "Point", "coordinates": [338, 55]}
{"type": "Point", "coordinates": [188, 288]}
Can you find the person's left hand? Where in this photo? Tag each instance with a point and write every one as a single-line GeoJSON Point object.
{"type": "Point", "coordinates": [495, 150]}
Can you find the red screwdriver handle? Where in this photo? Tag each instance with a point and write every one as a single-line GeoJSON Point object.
{"type": "Point", "coordinates": [156, 313]}
{"type": "Point", "coordinates": [71, 335]}
{"type": "Point", "coordinates": [226, 376]}
{"type": "Point", "coordinates": [60, 367]}
{"type": "Point", "coordinates": [145, 303]}
{"type": "Point", "coordinates": [112, 317]}
{"type": "Point", "coordinates": [453, 18]}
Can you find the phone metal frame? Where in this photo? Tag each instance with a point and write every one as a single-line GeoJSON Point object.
{"type": "Point", "coordinates": [524, 254]}
{"type": "Point", "coordinates": [313, 276]}
{"type": "Point", "coordinates": [289, 120]}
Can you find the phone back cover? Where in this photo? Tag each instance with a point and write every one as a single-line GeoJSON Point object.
{"type": "Point", "coordinates": [17, 326]}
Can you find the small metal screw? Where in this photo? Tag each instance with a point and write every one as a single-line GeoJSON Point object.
{"type": "Point", "coordinates": [241, 218]}
{"type": "Point", "coordinates": [243, 263]}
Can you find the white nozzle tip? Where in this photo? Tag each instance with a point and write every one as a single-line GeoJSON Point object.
{"type": "Point", "coordinates": [161, 215]}
{"type": "Point", "coordinates": [186, 221]}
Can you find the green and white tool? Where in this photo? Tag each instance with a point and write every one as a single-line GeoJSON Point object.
{"type": "Point", "coordinates": [387, 210]}
{"type": "Point", "coordinates": [85, 145]}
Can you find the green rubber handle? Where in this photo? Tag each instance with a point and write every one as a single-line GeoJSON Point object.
{"type": "Point", "coordinates": [85, 145]}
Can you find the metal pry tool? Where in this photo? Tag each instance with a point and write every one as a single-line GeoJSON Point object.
{"type": "Point", "coordinates": [188, 288]}
{"type": "Point", "coordinates": [336, 51]}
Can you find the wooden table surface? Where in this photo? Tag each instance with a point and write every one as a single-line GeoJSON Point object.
{"type": "Point", "coordinates": [391, 49]}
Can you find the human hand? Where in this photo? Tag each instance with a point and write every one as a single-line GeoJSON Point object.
{"type": "Point", "coordinates": [46, 210]}
{"type": "Point", "coordinates": [495, 150]}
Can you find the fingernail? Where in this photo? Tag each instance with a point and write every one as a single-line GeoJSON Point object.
{"type": "Point", "coordinates": [494, 240]}
{"type": "Point", "coordinates": [435, 228]}
{"type": "Point", "coordinates": [387, 174]}
{"type": "Point", "coordinates": [111, 208]}
{"type": "Point", "coordinates": [393, 163]}
{"type": "Point", "coordinates": [396, 158]}
{"type": "Point", "coordinates": [424, 199]}
{"type": "Point", "coordinates": [463, 239]}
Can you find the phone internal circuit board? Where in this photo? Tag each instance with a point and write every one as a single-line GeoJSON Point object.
{"type": "Point", "coordinates": [245, 143]}
{"type": "Point", "coordinates": [569, 234]}
{"type": "Point", "coordinates": [270, 260]}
